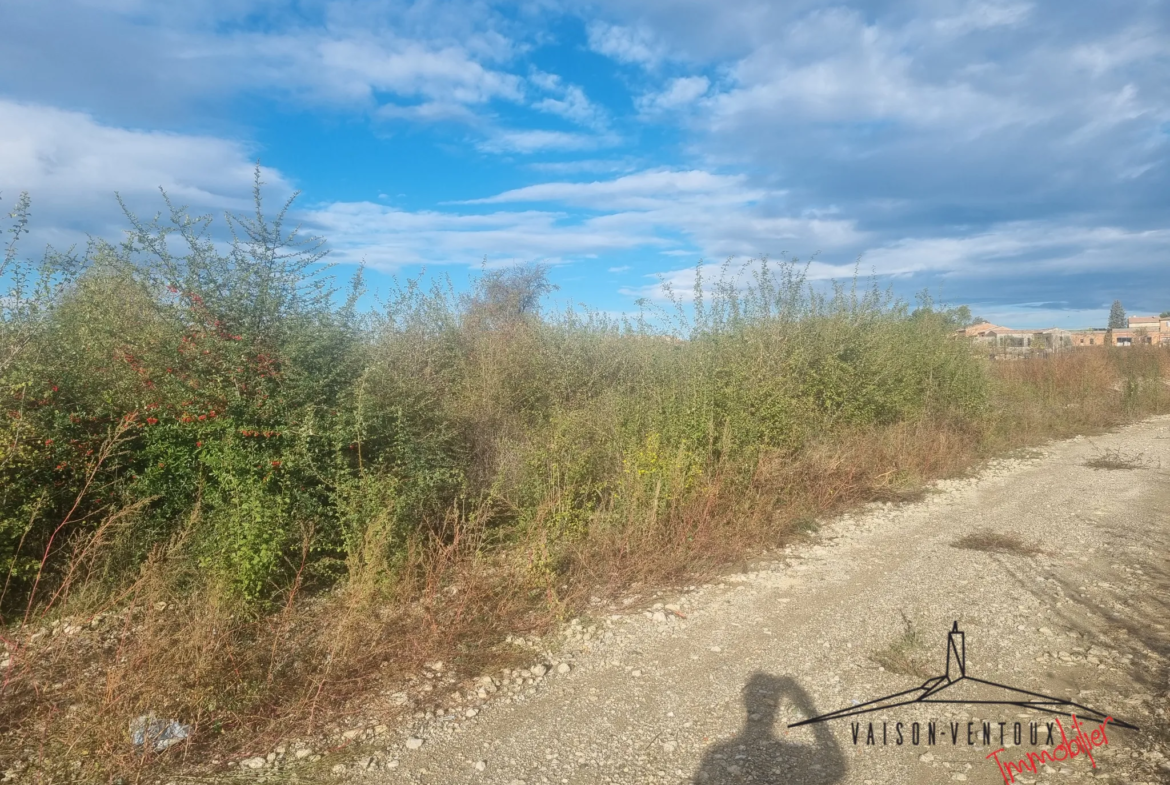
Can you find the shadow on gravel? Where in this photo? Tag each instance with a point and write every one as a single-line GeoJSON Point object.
{"type": "Point", "coordinates": [756, 756]}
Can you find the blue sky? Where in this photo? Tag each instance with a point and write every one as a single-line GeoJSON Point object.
{"type": "Point", "coordinates": [1010, 155]}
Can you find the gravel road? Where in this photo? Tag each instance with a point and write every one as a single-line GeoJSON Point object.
{"type": "Point", "coordinates": [701, 685]}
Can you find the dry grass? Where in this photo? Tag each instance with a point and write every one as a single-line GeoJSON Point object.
{"type": "Point", "coordinates": [1116, 460]}
{"type": "Point", "coordinates": [904, 655]}
{"type": "Point", "coordinates": [246, 684]}
{"type": "Point", "coordinates": [996, 542]}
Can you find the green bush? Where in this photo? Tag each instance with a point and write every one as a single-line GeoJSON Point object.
{"type": "Point", "coordinates": [233, 397]}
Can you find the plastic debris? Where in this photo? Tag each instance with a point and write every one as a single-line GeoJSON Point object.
{"type": "Point", "coordinates": [161, 734]}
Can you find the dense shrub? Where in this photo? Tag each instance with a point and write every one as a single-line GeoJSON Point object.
{"type": "Point", "coordinates": [216, 391]}
{"type": "Point", "coordinates": [234, 396]}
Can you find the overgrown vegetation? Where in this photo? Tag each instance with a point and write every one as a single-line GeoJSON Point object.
{"type": "Point", "coordinates": [228, 496]}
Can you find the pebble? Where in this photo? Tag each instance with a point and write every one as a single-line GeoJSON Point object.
{"type": "Point", "coordinates": [338, 768]}
{"type": "Point", "coordinates": [564, 668]}
{"type": "Point", "coordinates": [253, 763]}
{"type": "Point", "coordinates": [413, 743]}
{"type": "Point", "coordinates": [539, 670]}
{"type": "Point", "coordinates": [480, 765]}
{"type": "Point", "coordinates": [303, 752]}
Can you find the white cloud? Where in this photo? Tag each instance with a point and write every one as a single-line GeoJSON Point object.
{"type": "Point", "coordinates": [1127, 47]}
{"type": "Point", "coordinates": [1018, 258]}
{"type": "Point", "coordinates": [189, 56]}
{"type": "Point", "coordinates": [71, 165]}
{"type": "Point", "coordinates": [717, 214]}
{"type": "Point", "coordinates": [388, 238]}
{"type": "Point", "coordinates": [590, 165]}
{"type": "Point", "coordinates": [427, 112]}
{"type": "Point", "coordinates": [644, 190]}
{"type": "Point", "coordinates": [574, 106]}
{"type": "Point", "coordinates": [567, 100]}
{"type": "Point", "coordinates": [625, 268]}
{"type": "Point", "coordinates": [865, 74]}
{"type": "Point", "coordinates": [1018, 251]}
{"type": "Point", "coordinates": [1022, 249]}
{"type": "Point", "coordinates": [365, 69]}
{"type": "Point", "coordinates": [624, 44]}
{"type": "Point", "coordinates": [983, 16]}
{"type": "Point", "coordinates": [539, 140]}
{"type": "Point", "coordinates": [678, 93]}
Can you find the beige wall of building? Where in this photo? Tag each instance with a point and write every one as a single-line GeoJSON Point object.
{"type": "Point", "coordinates": [1142, 330]}
{"type": "Point", "coordinates": [1088, 338]}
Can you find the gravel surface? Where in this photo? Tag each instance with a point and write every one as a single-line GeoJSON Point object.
{"type": "Point", "coordinates": [1070, 597]}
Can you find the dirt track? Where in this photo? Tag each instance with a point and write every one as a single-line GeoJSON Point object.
{"type": "Point", "coordinates": [702, 687]}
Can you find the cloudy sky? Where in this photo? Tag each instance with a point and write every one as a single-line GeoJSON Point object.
{"type": "Point", "coordinates": [1010, 155]}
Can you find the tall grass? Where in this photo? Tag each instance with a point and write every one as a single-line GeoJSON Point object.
{"type": "Point", "coordinates": [228, 496]}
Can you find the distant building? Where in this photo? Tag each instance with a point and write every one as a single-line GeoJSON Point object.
{"type": "Point", "coordinates": [982, 329]}
{"type": "Point", "coordinates": [1007, 340]}
{"type": "Point", "coordinates": [1092, 337]}
{"type": "Point", "coordinates": [1142, 331]}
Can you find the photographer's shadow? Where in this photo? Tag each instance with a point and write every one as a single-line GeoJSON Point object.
{"type": "Point", "coordinates": [756, 756]}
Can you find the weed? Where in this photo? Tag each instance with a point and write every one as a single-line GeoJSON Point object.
{"type": "Point", "coordinates": [806, 524]}
{"type": "Point", "coordinates": [1116, 459]}
{"type": "Point", "coordinates": [901, 656]}
{"type": "Point", "coordinates": [996, 542]}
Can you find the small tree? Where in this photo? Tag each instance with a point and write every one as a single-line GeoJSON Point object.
{"type": "Point", "coordinates": [1117, 320]}
{"type": "Point", "coordinates": [508, 296]}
